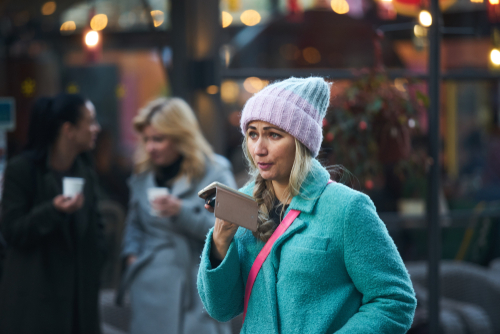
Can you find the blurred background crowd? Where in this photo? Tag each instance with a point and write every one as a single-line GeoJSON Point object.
{"type": "Point", "coordinates": [214, 54]}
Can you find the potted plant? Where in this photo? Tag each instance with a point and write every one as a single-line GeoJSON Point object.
{"type": "Point", "coordinates": [369, 130]}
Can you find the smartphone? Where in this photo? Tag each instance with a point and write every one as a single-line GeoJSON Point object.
{"type": "Point", "coordinates": [231, 205]}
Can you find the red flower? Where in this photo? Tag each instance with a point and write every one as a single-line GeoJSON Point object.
{"type": "Point", "coordinates": [325, 122]}
{"type": "Point", "coordinates": [362, 125]}
{"type": "Point", "coordinates": [329, 137]}
{"type": "Point", "coordinates": [369, 184]}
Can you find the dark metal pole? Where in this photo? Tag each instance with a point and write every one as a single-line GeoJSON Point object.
{"type": "Point", "coordinates": [434, 228]}
{"type": "Point", "coordinates": [179, 78]}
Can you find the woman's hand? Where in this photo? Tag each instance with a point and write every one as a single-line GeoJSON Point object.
{"type": "Point", "coordinates": [167, 206]}
{"type": "Point", "coordinates": [223, 235]}
{"type": "Point", "coordinates": [68, 204]}
{"type": "Point", "coordinates": [131, 259]}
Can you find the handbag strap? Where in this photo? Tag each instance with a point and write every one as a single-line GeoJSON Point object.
{"type": "Point", "coordinates": [264, 252]}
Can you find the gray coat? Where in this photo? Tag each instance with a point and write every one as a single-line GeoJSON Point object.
{"type": "Point", "coordinates": [162, 281]}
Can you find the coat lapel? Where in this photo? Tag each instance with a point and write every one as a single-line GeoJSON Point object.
{"type": "Point", "coordinates": [297, 226]}
{"type": "Point", "coordinates": [150, 183]}
{"type": "Point", "coordinates": [181, 186]}
{"type": "Point", "coordinates": [270, 270]}
{"type": "Point", "coordinates": [142, 189]}
{"type": "Point", "coordinates": [269, 275]}
{"type": "Point", "coordinates": [312, 189]}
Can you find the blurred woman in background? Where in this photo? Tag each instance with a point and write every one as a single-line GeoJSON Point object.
{"type": "Point", "coordinates": [164, 238]}
{"type": "Point", "coordinates": [55, 243]}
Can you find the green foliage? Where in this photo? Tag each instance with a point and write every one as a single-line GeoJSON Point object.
{"type": "Point", "coordinates": [371, 125]}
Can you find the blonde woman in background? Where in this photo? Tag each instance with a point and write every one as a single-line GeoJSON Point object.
{"type": "Point", "coordinates": [164, 238]}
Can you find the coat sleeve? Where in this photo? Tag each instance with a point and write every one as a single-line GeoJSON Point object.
{"type": "Point", "coordinates": [221, 289]}
{"type": "Point", "coordinates": [23, 224]}
{"type": "Point", "coordinates": [193, 219]}
{"type": "Point", "coordinates": [134, 233]}
{"type": "Point", "coordinates": [377, 271]}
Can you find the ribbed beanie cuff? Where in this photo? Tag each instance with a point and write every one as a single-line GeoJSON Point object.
{"type": "Point", "coordinates": [295, 105]}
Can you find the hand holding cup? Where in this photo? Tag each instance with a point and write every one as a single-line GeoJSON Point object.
{"type": "Point", "coordinates": [72, 198]}
{"type": "Point", "coordinates": [166, 206]}
{"type": "Point", "coordinates": [163, 204]}
{"type": "Point", "coordinates": [72, 186]}
{"type": "Point", "coordinates": [68, 204]}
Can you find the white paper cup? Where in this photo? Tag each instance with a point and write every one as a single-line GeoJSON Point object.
{"type": "Point", "coordinates": [154, 193]}
{"type": "Point", "coordinates": [72, 186]}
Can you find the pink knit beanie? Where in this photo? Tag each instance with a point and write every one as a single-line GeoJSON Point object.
{"type": "Point", "coordinates": [296, 105]}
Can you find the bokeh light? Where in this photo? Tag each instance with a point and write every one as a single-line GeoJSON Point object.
{"type": "Point", "coordinates": [494, 2]}
{"type": "Point", "coordinates": [250, 17]}
{"type": "Point", "coordinates": [311, 55]}
{"type": "Point", "coordinates": [227, 19]}
{"type": "Point", "coordinates": [212, 89]}
{"type": "Point", "coordinates": [92, 38]}
{"type": "Point", "coordinates": [28, 87]}
{"type": "Point", "coordinates": [49, 8]}
{"type": "Point", "coordinates": [495, 57]}
{"type": "Point", "coordinates": [253, 84]}
{"type": "Point", "coordinates": [400, 83]}
{"type": "Point", "coordinates": [340, 6]}
{"type": "Point", "coordinates": [158, 17]}
{"type": "Point", "coordinates": [425, 18]}
{"type": "Point", "coordinates": [68, 27]}
{"type": "Point", "coordinates": [72, 88]}
{"type": "Point", "coordinates": [419, 31]}
{"type": "Point", "coordinates": [229, 91]}
{"type": "Point", "coordinates": [99, 22]}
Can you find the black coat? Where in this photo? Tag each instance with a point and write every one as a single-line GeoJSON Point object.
{"type": "Point", "coordinates": [52, 269]}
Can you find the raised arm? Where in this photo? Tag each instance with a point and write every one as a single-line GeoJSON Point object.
{"type": "Point", "coordinates": [24, 224]}
{"type": "Point", "coordinates": [193, 218]}
{"type": "Point", "coordinates": [221, 289]}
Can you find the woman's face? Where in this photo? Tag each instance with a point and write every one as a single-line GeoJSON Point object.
{"type": "Point", "coordinates": [272, 150]}
{"type": "Point", "coordinates": [161, 149]}
{"type": "Point", "coordinates": [85, 132]}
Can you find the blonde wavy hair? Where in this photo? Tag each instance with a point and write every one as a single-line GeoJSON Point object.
{"type": "Point", "coordinates": [264, 192]}
{"type": "Point", "coordinates": [174, 118]}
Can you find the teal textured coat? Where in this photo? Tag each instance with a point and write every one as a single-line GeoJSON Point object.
{"type": "Point", "coordinates": [335, 270]}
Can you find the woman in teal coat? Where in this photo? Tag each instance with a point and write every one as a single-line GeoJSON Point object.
{"type": "Point", "coordinates": [335, 269]}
